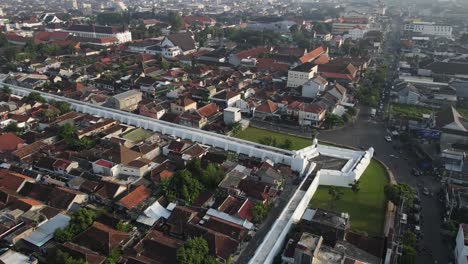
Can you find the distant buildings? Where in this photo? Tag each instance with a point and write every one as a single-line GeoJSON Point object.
{"type": "Point", "coordinates": [429, 29]}
{"type": "Point", "coordinates": [95, 32]}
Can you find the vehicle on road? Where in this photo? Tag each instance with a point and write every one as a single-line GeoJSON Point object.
{"type": "Point", "coordinates": [415, 172]}
{"type": "Point", "coordinates": [388, 138]}
{"type": "Point", "coordinates": [426, 191]}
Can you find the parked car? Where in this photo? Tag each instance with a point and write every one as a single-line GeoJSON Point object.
{"type": "Point", "coordinates": [388, 138]}
{"type": "Point", "coordinates": [426, 191]}
{"type": "Point", "coordinates": [415, 172]}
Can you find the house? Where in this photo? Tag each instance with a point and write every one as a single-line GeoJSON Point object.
{"type": "Point", "coordinates": [45, 231]}
{"type": "Point", "coordinates": [258, 191]}
{"type": "Point", "coordinates": [58, 197]}
{"type": "Point", "coordinates": [405, 93]}
{"type": "Point", "coordinates": [305, 250]}
{"type": "Point", "coordinates": [266, 109]}
{"type": "Point", "coordinates": [356, 33]}
{"type": "Point", "coordinates": [156, 247]}
{"type": "Point", "coordinates": [237, 206]}
{"type": "Point", "coordinates": [13, 181]}
{"type": "Point", "coordinates": [107, 191]}
{"type": "Point", "coordinates": [134, 197]}
{"type": "Point", "coordinates": [232, 115]}
{"type": "Point", "coordinates": [313, 55]}
{"type": "Point", "coordinates": [332, 226]}
{"type": "Point", "coordinates": [79, 252]}
{"type": "Point", "coordinates": [341, 73]}
{"type": "Point", "coordinates": [13, 257]}
{"type": "Point", "coordinates": [25, 153]}
{"type": "Point", "coordinates": [179, 220]}
{"type": "Point", "coordinates": [301, 74]}
{"type": "Point", "coordinates": [9, 142]}
{"type": "Point", "coordinates": [99, 32]}
{"type": "Point", "coordinates": [105, 168]}
{"type": "Point", "coordinates": [135, 168]}
{"type": "Point", "coordinates": [182, 105]}
{"type": "Point", "coordinates": [101, 238]}
{"type": "Point", "coordinates": [461, 246]}
{"type": "Point", "coordinates": [225, 99]}
{"type": "Point", "coordinates": [184, 41]}
{"type": "Point", "coordinates": [127, 101]}
{"type": "Point", "coordinates": [154, 212]}
{"type": "Point", "coordinates": [314, 86]}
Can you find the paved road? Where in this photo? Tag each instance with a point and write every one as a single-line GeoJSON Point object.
{"type": "Point", "coordinates": [366, 133]}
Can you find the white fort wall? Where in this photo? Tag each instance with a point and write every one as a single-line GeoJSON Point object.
{"type": "Point", "coordinates": [209, 138]}
{"type": "Point", "coordinates": [275, 239]}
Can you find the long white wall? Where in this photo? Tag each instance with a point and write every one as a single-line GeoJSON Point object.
{"type": "Point", "coordinates": [209, 138]}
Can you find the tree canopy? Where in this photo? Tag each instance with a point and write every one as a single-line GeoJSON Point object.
{"type": "Point", "coordinates": [183, 186]}
{"type": "Point", "coordinates": [80, 220]}
{"type": "Point", "coordinates": [195, 251]}
{"type": "Point", "coordinates": [175, 20]}
{"type": "Point", "coordinates": [397, 193]}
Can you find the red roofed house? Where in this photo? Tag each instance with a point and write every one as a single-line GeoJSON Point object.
{"type": "Point", "coordinates": [342, 73]}
{"type": "Point", "coordinates": [101, 238]}
{"type": "Point", "coordinates": [311, 56]}
{"type": "Point", "coordinates": [201, 117]}
{"type": "Point", "coordinates": [200, 20]}
{"type": "Point", "coordinates": [9, 142]}
{"type": "Point", "coordinates": [236, 59]}
{"type": "Point", "coordinates": [266, 109]}
{"type": "Point", "coordinates": [13, 181]}
{"type": "Point", "coordinates": [135, 197]}
{"type": "Point", "coordinates": [236, 206]}
{"type": "Point", "coordinates": [307, 114]}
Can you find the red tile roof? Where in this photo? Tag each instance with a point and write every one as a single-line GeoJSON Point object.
{"type": "Point", "coordinates": [268, 107]}
{"type": "Point", "coordinates": [12, 180]}
{"type": "Point", "coordinates": [101, 238]}
{"type": "Point", "coordinates": [135, 197]}
{"type": "Point", "coordinates": [252, 52]}
{"type": "Point", "coordinates": [10, 142]}
{"type": "Point", "coordinates": [208, 110]}
{"type": "Point", "coordinates": [312, 55]}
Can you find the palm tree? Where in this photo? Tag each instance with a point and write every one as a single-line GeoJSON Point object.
{"type": "Point", "coordinates": [336, 195]}
{"type": "Point", "coordinates": [355, 186]}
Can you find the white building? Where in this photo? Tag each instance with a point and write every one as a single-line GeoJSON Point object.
{"type": "Point", "coordinates": [356, 33]}
{"type": "Point", "coordinates": [461, 248]}
{"type": "Point", "coordinates": [430, 29]}
{"type": "Point", "coordinates": [301, 74]}
{"type": "Point", "coordinates": [232, 115]}
{"type": "Point", "coordinates": [99, 32]}
{"type": "Point", "coordinates": [314, 86]}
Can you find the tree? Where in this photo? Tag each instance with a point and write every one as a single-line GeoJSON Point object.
{"type": "Point", "coordinates": [336, 194]}
{"type": "Point", "coordinates": [259, 212]}
{"type": "Point", "coordinates": [397, 193]}
{"type": "Point", "coordinates": [62, 106]}
{"type": "Point", "coordinates": [332, 120]}
{"type": "Point", "coordinates": [352, 111]}
{"type": "Point", "coordinates": [114, 256]}
{"type": "Point", "coordinates": [175, 20]}
{"type": "Point", "coordinates": [34, 97]}
{"type": "Point", "coordinates": [355, 186]}
{"type": "Point", "coordinates": [66, 132]}
{"type": "Point", "coordinates": [13, 128]}
{"type": "Point", "coordinates": [195, 251]}
{"type": "Point", "coordinates": [51, 113]}
{"type": "Point", "coordinates": [10, 53]}
{"type": "Point", "coordinates": [65, 258]}
{"type": "Point", "coordinates": [164, 64]}
{"type": "Point", "coordinates": [236, 128]}
{"type": "Point", "coordinates": [182, 185]}
{"type": "Point", "coordinates": [6, 89]}
{"type": "Point", "coordinates": [212, 176]}
{"type": "Point", "coordinates": [79, 221]}
{"type": "Point", "coordinates": [122, 226]}
{"type": "Point", "coordinates": [409, 238]}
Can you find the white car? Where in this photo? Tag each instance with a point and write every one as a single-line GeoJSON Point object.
{"type": "Point", "coordinates": [388, 138]}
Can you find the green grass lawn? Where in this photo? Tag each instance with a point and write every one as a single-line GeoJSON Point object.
{"type": "Point", "coordinates": [256, 135]}
{"type": "Point", "coordinates": [367, 207]}
{"type": "Point", "coordinates": [138, 134]}
{"type": "Point", "coordinates": [403, 110]}
{"type": "Point", "coordinates": [463, 111]}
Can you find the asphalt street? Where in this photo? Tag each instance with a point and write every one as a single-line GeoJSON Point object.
{"type": "Point", "coordinates": [368, 133]}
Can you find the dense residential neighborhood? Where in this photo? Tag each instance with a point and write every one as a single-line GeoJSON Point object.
{"type": "Point", "coordinates": [202, 132]}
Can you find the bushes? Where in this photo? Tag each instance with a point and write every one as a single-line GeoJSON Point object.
{"type": "Point", "coordinates": [80, 220]}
